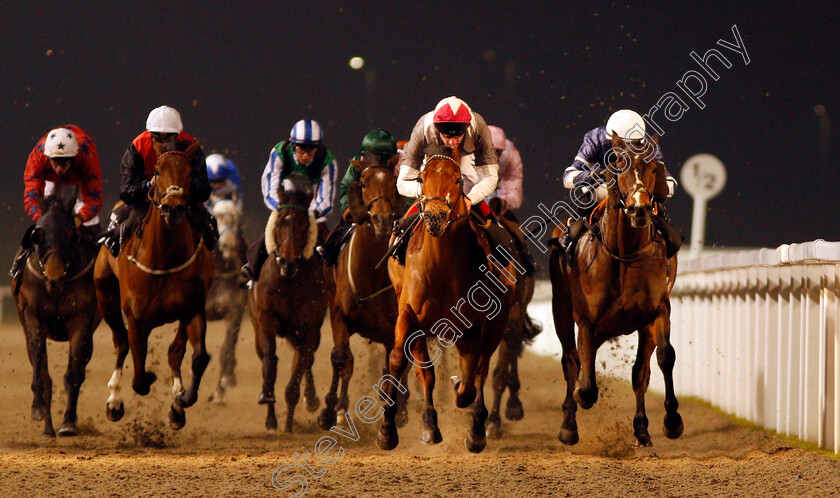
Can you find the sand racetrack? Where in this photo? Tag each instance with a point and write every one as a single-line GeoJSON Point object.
{"type": "Point", "coordinates": [225, 450]}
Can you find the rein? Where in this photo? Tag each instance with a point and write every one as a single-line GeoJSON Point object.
{"type": "Point", "coordinates": [170, 270]}
{"type": "Point", "coordinates": [40, 274]}
{"type": "Point", "coordinates": [359, 300]}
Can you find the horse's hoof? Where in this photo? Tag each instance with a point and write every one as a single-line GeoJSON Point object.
{"type": "Point", "coordinates": [494, 430]}
{"type": "Point", "coordinates": [456, 381]}
{"type": "Point", "coordinates": [568, 437]}
{"type": "Point", "coordinates": [266, 398]}
{"type": "Point", "coordinates": [37, 413]}
{"type": "Point", "coordinates": [431, 435]}
{"type": "Point", "coordinates": [401, 418]}
{"type": "Point", "coordinates": [115, 414]}
{"type": "Point", "coordinates": [217, 398]}
{"type": "Point", "coordinates": [643, 440]}
{"type": "Point", "coordinates": [673, 426]}
{"type": "Point", "coordinates": [68, 429]}
{"type": "Point", "coordinates": [326, 419]}
{"type": "Point", "coordinates": [289, 427]}
{"type": "Point", "coordinates": [271, 424]}
{"type": "Point", "coordinates": [312, 404]}
{"type": "Point", "coordinates": [585, 399]}
{"type": "Point", "coordinates": [475, 445]}
{"type": "Point", "coordinates": [177, 418]}
{"type": "Point", "coordinates": [514, 410]}
{"type": "Point", "coordinates": [48, 431]}
{"type": "Point", "coordinates": [386, 439]}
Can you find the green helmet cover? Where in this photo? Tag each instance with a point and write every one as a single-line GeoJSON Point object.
{"type": "Point", "coordinates": [379, 142]}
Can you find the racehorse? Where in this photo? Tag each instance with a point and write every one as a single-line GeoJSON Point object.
{"type": "Point", "coordinates": [225, 299]}
{"type": "Point", "coordinates": [520, 331]}
{"type": "Point", "coordinates": [446, 266]}
{"type": "Point", "coordinates": [290, 298]}
{"type": "Point", "coordinates": [56, 300]}
{"type": "Point", "coordinates": [161, 275]}
{"type": "Point", "coordinates": [364, 302]}
{"type": "Point", "coordinates": [618, 282]}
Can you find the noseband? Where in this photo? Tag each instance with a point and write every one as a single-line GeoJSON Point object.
{"type": "Point", "coordinates": [172, 190]}
{"type": "Point", "coordinates": [378, 197]}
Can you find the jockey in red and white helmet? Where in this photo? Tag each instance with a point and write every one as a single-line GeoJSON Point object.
{"type": "Point", "coordinates": [455, 125]}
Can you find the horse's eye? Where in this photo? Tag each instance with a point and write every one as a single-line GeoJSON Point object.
{"type": "Point", "coordinates": [459, 180]}
{"type": "Point", "coordinates": [419, 180]}
{"type": "Point", "coordinates": [362, 184]}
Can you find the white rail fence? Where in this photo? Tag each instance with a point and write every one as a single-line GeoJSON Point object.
{"type": "Point", "coordinates": [757, 333]}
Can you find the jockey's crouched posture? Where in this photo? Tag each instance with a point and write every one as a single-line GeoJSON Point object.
{"type": "Point", "coordinates": [454, 125]}
{"type": "Point", "coordinates": [164, 133]}
{"type": "Point", "coordinates": [304, 155]}
{"type": "Point", "coordinates": [64, 156]}
{"type": "Point", "coordinates": [586, 173]}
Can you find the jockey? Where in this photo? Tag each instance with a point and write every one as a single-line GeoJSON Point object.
{"type": "Point", "coordinates": [306, 154]}
{"type": "Point", "coordinates": [590, 163]}
{"type": "Point", "coordinates": [64, 156]}
{"type": "Point", "coordinates": [378, 146]}
{"type": "Point", "coordinates": [453, 124]}
{"type": "Point", "coordinates": [225, 182]}
{"type": "Point", "coordinates": [164, 133]}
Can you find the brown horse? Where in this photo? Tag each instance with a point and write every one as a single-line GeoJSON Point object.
{"type": "Point", "coordinates": [290, 298]}
{"type": "Point", "coordinates": [225, 299]}
{"type": "Point", "coordinates": [520, 331]}
{"type": "Point", "coordinates": [618, 282]}
{"type": "Point", "coordinates": [161, 276]}
{"type": "Point", "coordinates": [56, 300]}
{"type": "Point", "coordinates": [365, 302]}
{"type": "Point", "coordinates": [446, 267]}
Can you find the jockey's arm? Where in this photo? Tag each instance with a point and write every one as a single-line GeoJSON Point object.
{"type": "Point", "coordinates": [36, 170]}
{"type": "Point", "coordinates": [133, 185]}
{"type": "Point", "coordinates": [486, 164]}
{"type": "Point", "coordinates": [270, 181]}
{"type": "Point", "coordinates": [322, 202]}
{"type": "Point", "coordinates": [413, 155]}
{"type": "Point", "coordinates": [407, 184]}
{"type": "Point", "coordinates": [91, 186]}
{"type": "Point", "coordinates": [200, 188]}
{"type": "Point", "coordinates": [350, 176]}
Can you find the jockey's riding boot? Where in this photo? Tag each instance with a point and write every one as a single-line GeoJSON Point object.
{"type": "Point", "coordinates": [255, 256]}
{"type": "Point", "coordinates": [573, 232]}
{"type": "Point", "coordinates": [330, 250]}
{"type": "Point", "coordinates": [673, 238]}
{"type": "Point", "coordinates": [500, 243]}
{"type": "Point", "coordinates": [20, 260]}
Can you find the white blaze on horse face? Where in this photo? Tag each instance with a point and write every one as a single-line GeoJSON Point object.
{"type": "Point", "coordinates": [114, 399]}
{"type": "Point", "coordinates": [637, 196]}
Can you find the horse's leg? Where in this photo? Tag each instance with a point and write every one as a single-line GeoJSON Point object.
{"type": "Point", "coordinates": [36, 346]}
{"type": "Point", "coordinates": [469, 349]}
{"type": "Point", "coordinates": [266, 344]}
{"type": "Point", "coordinates": [500, 382]}
{"type": "Point", "coordinates": [177, 349]}
{"type": "Point", "coordinates": [196, 332]}
{"type": "Point", "coordinates": [426, 376]}
{"type": "Point", "coordinates": [402, 398]}
{"type": "Point", "coordinates": [227, 355]}
{"type": "Point", "coordinates": [660, 330]}
{"type": "Point", "coordinates": [514, 344]}
{"type": "Point", "coordinates": [388, 438]}
{"type": "Point", "coordinates": [561, 307]}
{"type": "Point", "coordinates": [310, 395]}
{"type": "Point", "coordinates": [338, 359]}
{"type": "Point", "coordinates": [488, 341]}
{"type": "Point", "coordinates": [81, 348]}
{"type": "Point", "coordinates": [301, 362]}
{"type": "Point", "coordinates": [108, 301]}
{"type": "Point", "coordinates": [138, 340]}
{"type": "Point", "coordinates": [641, 378]}
{"type": "Point", "coordinates": [586, 393]}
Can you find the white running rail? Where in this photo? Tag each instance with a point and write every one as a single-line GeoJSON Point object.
{"type": "Point", "coordinates": [757, 333]}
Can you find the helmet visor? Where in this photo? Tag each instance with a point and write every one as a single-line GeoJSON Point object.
{"type": "Point", "coordinates": [451, 130]}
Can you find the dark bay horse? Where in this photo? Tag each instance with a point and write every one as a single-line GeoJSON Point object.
{"type": "Point", "coordinates": [364, 302]}
{"type": "Point", "coordinates": [618, 283]}
{"type": "Point", "coordinates": [520, 331]}
{"type": "Point", "coordinates": [225, 299]}
{"type": "Point", "coordinates": [446, 266]}
{"type": "Point", "coordinates": [161, 275]}
{"type": "Point", "coordinates": [290, 298]}
{"type": "Point", "coordinates": [56, 300]}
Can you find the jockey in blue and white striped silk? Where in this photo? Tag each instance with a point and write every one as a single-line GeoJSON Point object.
{"type": "Point", "coordinates": [225, 182]}
{"type": "Point", "coordinates": [304, 153]}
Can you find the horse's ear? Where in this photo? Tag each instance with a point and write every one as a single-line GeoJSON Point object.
{"type": "Point", "coordinates": [393, 161]}
{"type": "Point", "coordinates": [193, 149]}
{"type": "Point", "coordinates": [616, 141]}
{"type": "Point", "coordinates": [655, 139]}
{"type": "Point", "coordinates": [358, 164]}
{"type": "Point", "coordinates": [281, 194]}
{"type": "Point", "coordinates": [355, 202]}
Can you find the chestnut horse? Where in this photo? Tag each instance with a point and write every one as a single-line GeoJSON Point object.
{"type": "Point", "coordinates": [225, 299]}
{"type": "Point", "coordinates": [56, 300]}
{"type": "Point", "coordinates": [290, 298]}
{"type": "Point", "coordinates": [520, 331]}
{"type": "Point", "coordinates": [446, 266]}
{"type": "Point", "coordinates": [160, 276]}
{"type": "Point", "coordinates": [365, 302]}
{"type": "Point", "coordinates": [618, 282]}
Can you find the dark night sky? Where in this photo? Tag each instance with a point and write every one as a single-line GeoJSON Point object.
{"type": "Point", "coordinates": [241, 76]}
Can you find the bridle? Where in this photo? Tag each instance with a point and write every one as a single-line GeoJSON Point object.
{"type": "Point", "coordinates": [379, 197]}
{"type": "Point", "coordinates": [451, 204]}
{"type": "Point", "coordinates": [622, 200]}
{"type": "Point", "coordinates": [280, 248]}
{"type": "Point", "coordinates": [172, 190]}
